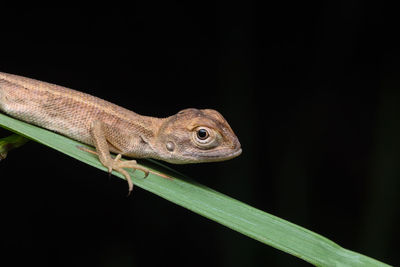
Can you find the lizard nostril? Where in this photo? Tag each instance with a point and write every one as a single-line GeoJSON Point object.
{"type": "Point", "coordinates": [236, 144]}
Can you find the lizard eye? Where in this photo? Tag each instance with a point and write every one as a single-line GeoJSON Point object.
{"type": "Point", "coordinates": [202, 134]}
{"type": "Point", "coordinates": [205, 138]}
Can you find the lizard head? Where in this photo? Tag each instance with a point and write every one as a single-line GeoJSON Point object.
{"type": "Point", "coordinates": [194, 135]}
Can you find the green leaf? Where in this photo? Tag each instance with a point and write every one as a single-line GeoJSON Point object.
{"type": "Point", "coordinates": [9, 143]}
{"type": "Point", "coordinates": [218, 207]}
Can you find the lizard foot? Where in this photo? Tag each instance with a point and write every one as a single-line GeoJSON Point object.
{"type": "Point", "coordinates": [118, 165]}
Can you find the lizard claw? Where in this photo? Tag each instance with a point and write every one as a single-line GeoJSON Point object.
{"type": "Point", "coordinates": [115, 162]}
{"type": "Point", "coordinates": [118, 165]}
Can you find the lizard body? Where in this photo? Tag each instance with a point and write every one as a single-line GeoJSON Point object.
{"type": "Point", "coordinates": [190, 136]}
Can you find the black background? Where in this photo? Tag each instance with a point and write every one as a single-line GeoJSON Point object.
{"type": "Point", "coordinates": [311, 90]}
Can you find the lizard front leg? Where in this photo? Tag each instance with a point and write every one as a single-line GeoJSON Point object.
{"type": "Point", "coordinates": [101, 143]}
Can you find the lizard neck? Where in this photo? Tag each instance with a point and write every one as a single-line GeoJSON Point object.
{"type": "Point", "coordinates": [142, 132]}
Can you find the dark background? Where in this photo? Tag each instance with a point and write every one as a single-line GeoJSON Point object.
{"type": "Point", "coordinates": [311, 90]}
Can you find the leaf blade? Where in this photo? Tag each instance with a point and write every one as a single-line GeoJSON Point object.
{"type": "Point", "coordinates": [216, 206]}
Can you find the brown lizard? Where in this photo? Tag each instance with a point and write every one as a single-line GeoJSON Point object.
{"type": "Point", "coordinates": [190, 136]}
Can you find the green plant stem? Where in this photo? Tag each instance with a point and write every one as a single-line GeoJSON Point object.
{"type": "Point", "coordinates": [218, 207]}
{"type": "Point", "coordinates": [9, 143]}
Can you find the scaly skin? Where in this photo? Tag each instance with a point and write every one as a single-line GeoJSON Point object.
{"type": "Point", "coordinates": [190, 136]}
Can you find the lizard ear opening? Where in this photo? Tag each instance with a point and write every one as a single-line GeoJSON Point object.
{"type": "Point", "coordinates": [170, 146]}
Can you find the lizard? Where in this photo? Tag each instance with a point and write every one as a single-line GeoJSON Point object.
{"type": "Point", "coordinates": [190, 136]}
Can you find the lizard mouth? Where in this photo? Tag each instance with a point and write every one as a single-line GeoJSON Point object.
{"type": "Point", "coordinates": [231, 155]}
{"type": "Point", "coordinates": [217, 155]}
